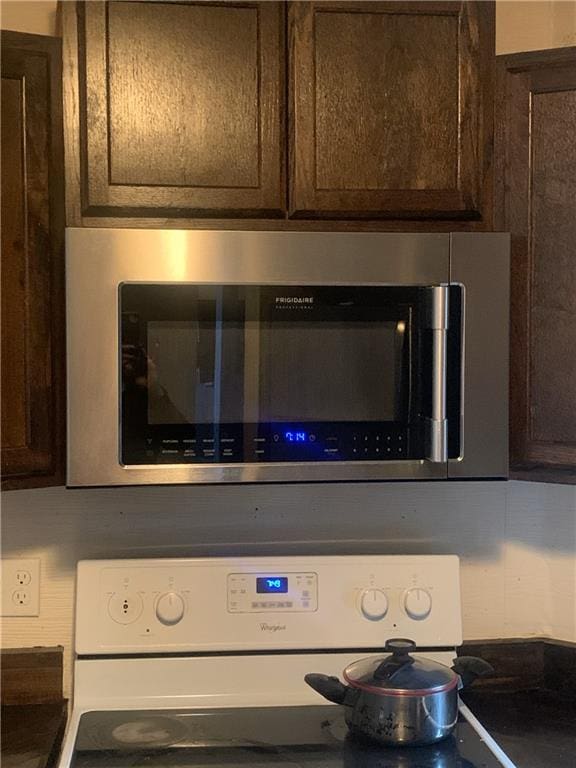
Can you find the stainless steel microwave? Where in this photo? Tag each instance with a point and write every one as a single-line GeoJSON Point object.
{"type": "Point", "coordinates": [229, 357]}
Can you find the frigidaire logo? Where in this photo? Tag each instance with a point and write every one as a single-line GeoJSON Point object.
{"type": "Point", "coordinates": [272, 627]}
{"type": "Point", "coordinates": [294, 302]}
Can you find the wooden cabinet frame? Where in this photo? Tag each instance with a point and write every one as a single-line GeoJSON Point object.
{"type": "Point", "coordinates": [296, 204]}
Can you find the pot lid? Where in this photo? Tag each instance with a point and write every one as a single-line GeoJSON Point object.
{"type": "Point", "coordinates": [400, 673]}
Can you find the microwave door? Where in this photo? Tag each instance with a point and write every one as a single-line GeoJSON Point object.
{"type": "Point", "coordinates": [281, 374]}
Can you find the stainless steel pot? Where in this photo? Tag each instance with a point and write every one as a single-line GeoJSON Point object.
{"type": "Point", "coordinates": [401, 699]}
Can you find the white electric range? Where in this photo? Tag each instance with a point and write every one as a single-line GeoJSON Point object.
{"type": "Point", "coordinates": [201, 662]}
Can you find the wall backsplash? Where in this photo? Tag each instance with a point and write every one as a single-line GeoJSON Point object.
{"type": "Point", "coordinates": [517, 541]}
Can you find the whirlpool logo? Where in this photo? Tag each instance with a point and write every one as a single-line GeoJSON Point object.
{"type": "Point", "coordinates": [294, 302]}
{"type": "Point", "coordinates": [264, 627]}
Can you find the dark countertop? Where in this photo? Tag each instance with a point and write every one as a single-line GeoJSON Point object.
{"type": "Point", "coordinates": [32, 734]}
{"type": "Point", "coordinates": [536, 729]}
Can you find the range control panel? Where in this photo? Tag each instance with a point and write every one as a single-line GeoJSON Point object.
{"type": "Point", "coordinates": [265, 592]}
{"type": "Point", "coordinates": [228, 604]}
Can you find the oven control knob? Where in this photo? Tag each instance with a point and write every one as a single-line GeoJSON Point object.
{"type": "Point", "coordinates": [417, 603]}
{"type": "Point", "coordinates": [170, 608]}
{"type": "Point", "coordinates": [125, 607]}
{"type": "Point", "coordinates": [373, 604]}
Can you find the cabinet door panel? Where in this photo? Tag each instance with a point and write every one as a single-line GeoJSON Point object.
{"type": "Point", "coordinates": [536, 155]}
{"type": "Point", "coordinates": [14, 416]}
{"type": "Point", "coordinates": [32, 263]}
{"type": "Point", "coordinates": [182, 108]}
{"type": "Point", "coordinates": [391, 108]}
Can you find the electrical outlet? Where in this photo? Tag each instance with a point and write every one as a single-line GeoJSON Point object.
{"type": "Point", "coordinates": [20, 587]}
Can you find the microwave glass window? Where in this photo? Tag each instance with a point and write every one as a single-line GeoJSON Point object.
{"type": "Point", "coordinates": [333, 371]}
{"type": "Point", "coordinates": [191, 371]}
{"type": "Point", "coordinates": [268, 373]}
{"type": "Point", "coordinates": [174, 396]}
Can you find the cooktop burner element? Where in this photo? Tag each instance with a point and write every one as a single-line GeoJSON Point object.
{"type": "Point", "coordinates": [218, 684]}
{"type": "Point", "coordinates": [307, 737]}
{"type": "Point", "coordinates": [145, 730]}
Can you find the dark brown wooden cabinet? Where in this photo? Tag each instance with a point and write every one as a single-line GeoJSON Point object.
{"type": "Point", "coordinates": [391, 109]}
{"type": "Point", "coordinates": [33, 400]}
{"type": "Point", "coordinates": [180, 106]}
{"type": "Point", "coordinates": [536, 203]}
{"type": "Point", "coordinates": [191, 114]}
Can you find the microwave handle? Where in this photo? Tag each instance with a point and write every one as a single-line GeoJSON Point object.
{"type": "Point", "coordinates": [437, 423]}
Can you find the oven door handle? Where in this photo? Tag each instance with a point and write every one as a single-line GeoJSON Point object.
{"type": "Point", "coordinates": [437, 424]}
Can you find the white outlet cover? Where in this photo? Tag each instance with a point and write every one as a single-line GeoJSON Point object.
{"type": "Point", "coordinates": [20, 582]}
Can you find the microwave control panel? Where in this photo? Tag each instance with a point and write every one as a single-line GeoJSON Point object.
{"type": "Point", "coordinates": [264, 443]}
{"type": "Point", "coordinates": [265, 592]}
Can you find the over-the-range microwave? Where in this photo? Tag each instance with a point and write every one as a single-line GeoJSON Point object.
{"type": "Point", "coordinates": [231, 357]}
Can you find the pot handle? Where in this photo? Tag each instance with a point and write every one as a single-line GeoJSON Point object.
{"type": "Point", "coordinates": [331, 688]}
{"type": "Point", "coordinates": [468, 668]}
{"type": "Point", "coordinates": [400, 658]}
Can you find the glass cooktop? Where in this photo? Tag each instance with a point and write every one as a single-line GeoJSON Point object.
{"type": "Point", "coordinates": [273, 737]}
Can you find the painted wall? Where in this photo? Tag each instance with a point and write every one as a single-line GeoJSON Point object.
{"type": "Point", "coordinates": [35, 16]}
{"type": "Point", "coordinates": [520, 25]}
{"type": "Point", "coordinates": [534, 25]}
{"type": "Point", "coordinates": [517, 541]}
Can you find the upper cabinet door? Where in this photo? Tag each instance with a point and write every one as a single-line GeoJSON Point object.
{"type": "Point", "coordinates": [536, 203]}
{"type": "Point", "coordinates": [391, 109]}
{"type": "Point", "coordinates": [32, 290]}
{"type": "Point", "coordinates": [180, 108]}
